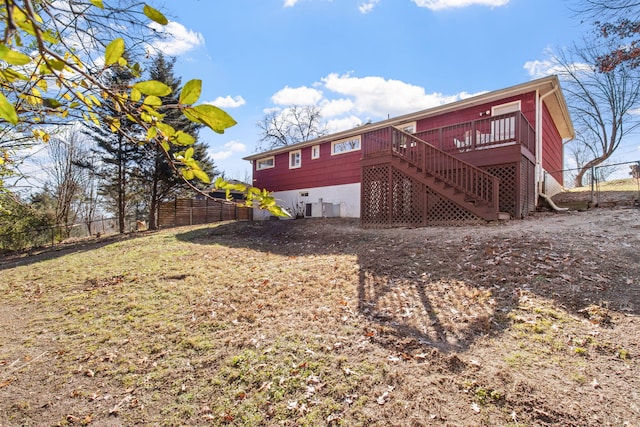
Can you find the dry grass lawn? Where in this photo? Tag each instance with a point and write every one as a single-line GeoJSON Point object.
{"type": "Point", "coordinates": [319, 322]}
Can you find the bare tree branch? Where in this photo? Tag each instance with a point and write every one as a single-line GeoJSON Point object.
{"type": "Point", "coordinates": [601, 103]}
{"type": "Point", "coordinates": [290, 126]}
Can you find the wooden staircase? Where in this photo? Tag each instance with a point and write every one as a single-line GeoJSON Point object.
{"type": "Point", "coordinates": [468, 186]}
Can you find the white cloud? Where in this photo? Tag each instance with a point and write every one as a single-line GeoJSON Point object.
{"type": "Point", "coordinates": [381, 98]}
{"type": "Point", "coordinates": [538, 69]}
{"type": "Point", "coordinates": [177, 39]}
{"type": "Point", "coordinates": [236, 146]}
{"type": "Point", "coordinates": [297, 96]}
{"type": "Point", "coordinates": [337, 125]}
{"type": "Point", "coordinates": [290, 3]}
{"type": "Point", "coordinates": [346, 101]}
{"type": "Point", "coordinates": [452, 4]}
{"type": "Point", "coordinates": [336, 107]}
{"type": "Point", "coordinates": [228, 101]}
{"type": "Point", "coordinates": [547, 67]}
{"type": "Point", "coordinates": [230, 148]}
{"type": "Point", "coordinates": [368, 6]}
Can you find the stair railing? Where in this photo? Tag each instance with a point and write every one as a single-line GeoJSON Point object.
{"type": "Point", "coordinates": [476, 183]}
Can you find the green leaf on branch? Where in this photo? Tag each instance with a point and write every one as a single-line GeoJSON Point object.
{"type": "Point", "coordinates": [167, 130]}
{"type": "Point", "coordinates": [189, 153]}
{"type": "Point", "coordinates": [183, 138]}
{"type": "Point", "coordinates": [11, 75]}
{"type": "Point", "coordinates": [153, 87]}
{"type": "Point", "coordinates": [97, 3]}
{"type": "Point", "coordinates": [136, 95]}
{"type": "Point", "coordinates": [51, 103]}
{"type": "Point", "coordinates": [209, 115]}
{"type": "Point", "coordinates": [155, 15]}
{"type": "Point", "coordinates": [152, 101]}
{"type": "Point", "coordinates": [56, 65]}
{"type": "Point", "coordinates": [152, 133]}
{"type": "Point", "coordinates": [12, 57]}
{"type": "Point", "coordinates": [114, 51]}
{"type": "Point", "coordinates": [201, 175]}
{"type": "Point", "coordinates": [150, 111]}
{"type": "Point", "coordinates": [188, 174]}
{"type": "Point", "coordinates": [7, 111]}
{"type": "Point", "coordinates": [191, 92]}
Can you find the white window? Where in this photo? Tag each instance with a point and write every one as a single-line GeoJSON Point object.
{"type": "Point", "coordinates": [407, 127]}
{"type": "Point", "coordinates": [504, 129]}
{"type": "Point", "coordinates": [509, 107]}
{"type": "Point", "coordinates": [266, 163]}
{"type": "Point", "coordinates": [315, 152]}
{"type": "Point", "coordinates": [295, 159]}
{"type": "Point", "coordinates": [345, 145]}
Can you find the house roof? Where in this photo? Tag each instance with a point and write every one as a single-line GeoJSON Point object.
{"type": "Point", "coordinates": [548, 88]}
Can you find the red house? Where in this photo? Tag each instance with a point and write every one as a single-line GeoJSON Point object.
{"type": "Point", "coordinates": [483, 158]}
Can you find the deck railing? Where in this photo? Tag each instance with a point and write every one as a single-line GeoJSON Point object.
{"type": "Point", "coordinates": [463, 176]}
{"type": "Point", "coordinates": [492, 132]}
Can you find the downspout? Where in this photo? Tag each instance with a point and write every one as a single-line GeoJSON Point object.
{"type": "Point", "coordinates": [539, 170]}
{"type": "Point", "coordinates": [539, 153]}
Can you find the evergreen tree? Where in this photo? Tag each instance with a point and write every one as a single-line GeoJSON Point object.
{"type": "Point", "coordinates": [117, 153]}
{"type": "Point", "coordinates": [162, 182]}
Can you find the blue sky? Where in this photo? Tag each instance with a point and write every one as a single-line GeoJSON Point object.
{"type": "Point", "coordinates": [357, 60]}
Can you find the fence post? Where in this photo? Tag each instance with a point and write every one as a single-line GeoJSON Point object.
{"type": "Point", "coordinates": [592, 182]}
{"type": "Point", "coordinates": [175, 211]}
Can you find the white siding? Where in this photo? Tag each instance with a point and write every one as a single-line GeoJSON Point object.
{"type": "Point", "coordinates": [345, 198]}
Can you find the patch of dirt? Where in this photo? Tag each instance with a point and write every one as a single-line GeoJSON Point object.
{"type": "Point", "coordinates": [529, 323]}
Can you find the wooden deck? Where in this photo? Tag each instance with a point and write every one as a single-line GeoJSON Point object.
{"type": "Point", "coordinates": [479, 170]}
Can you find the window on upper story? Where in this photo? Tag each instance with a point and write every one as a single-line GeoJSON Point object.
{"type": "Point", "coordinates": [266, 163]}
{"type": "Point", "coordinates": [504, 129]}
{"type": "Point", "coordinates": [407, 127]}
{"type": "Point", "coordinates": [295, 159]}
{"type": "Point", "coordinates": [315, 152]}
{"type": "Point", "coordinates": [345, 145]}
{"type": "Point", "coordinates": [509, 107]}
{"type": "Point", "coordinates": [405, 140]}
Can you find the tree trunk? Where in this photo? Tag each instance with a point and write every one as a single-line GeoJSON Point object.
{"type": "Point", "coordinates": [153, 206]}
{"type": "Point", "coordinates": [578, 180]}
{"type": "Point", "coordinates": [121, 190]}
{"type": "Point", "coordinates": [589, 166]}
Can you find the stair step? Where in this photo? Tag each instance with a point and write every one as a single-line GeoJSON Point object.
{"type": "Point", "coordinates": [481, 208]}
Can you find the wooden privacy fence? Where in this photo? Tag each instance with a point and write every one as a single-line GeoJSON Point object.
{"type": "Point", "coordinates": [194, 211]}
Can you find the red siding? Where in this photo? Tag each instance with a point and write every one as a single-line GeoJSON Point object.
{"type": "Point", "coordinates": [552, 149]}
{"type": "Point", "coordinates": [345, 168]}
{"type": "Point", "coordinates": [324, 171]}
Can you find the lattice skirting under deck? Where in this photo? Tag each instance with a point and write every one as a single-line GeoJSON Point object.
{"type": "Point", "coordinates": [390, 198]}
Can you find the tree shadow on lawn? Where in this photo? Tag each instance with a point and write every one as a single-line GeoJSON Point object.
{"type": "Point", "coordinates": [439, 287]}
